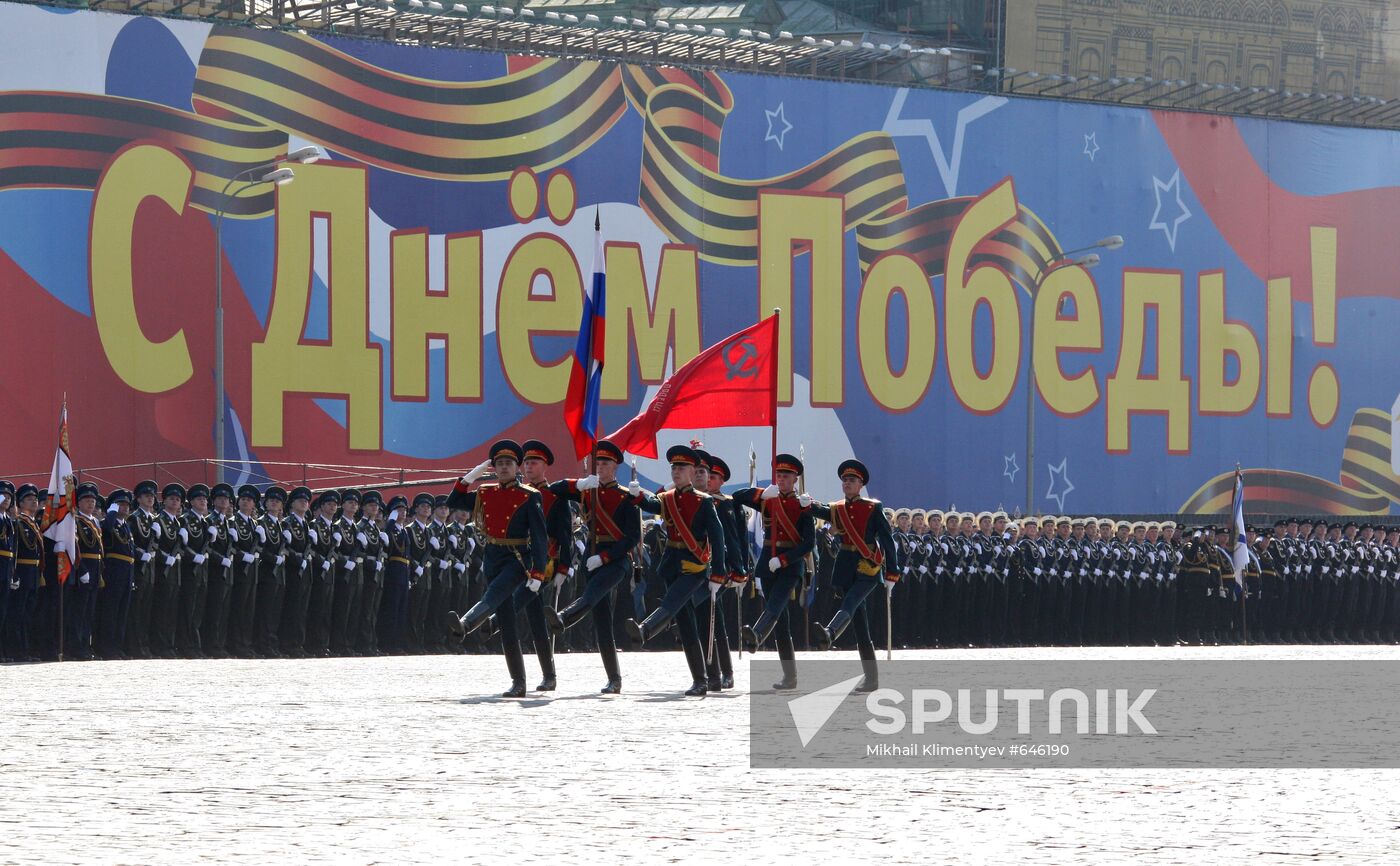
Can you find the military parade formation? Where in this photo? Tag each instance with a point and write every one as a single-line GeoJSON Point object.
{"type": "Point", "coordinates": [214, 572]}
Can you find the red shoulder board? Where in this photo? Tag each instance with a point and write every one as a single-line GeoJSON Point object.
{"type": "Point", "coordinates": [498, 505]}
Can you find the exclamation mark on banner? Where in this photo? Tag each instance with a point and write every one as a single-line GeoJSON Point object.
{"type": "Point", "coordinates": [1323, 389]}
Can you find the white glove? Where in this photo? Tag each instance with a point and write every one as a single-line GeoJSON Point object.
{"type": "Point", "coordinates": [281, 558]}
{"type": "Point", "coordinates": [146, 557]}
{"type": "Point", "coordinates": [923, 569]}
{"type": "Point", "coordinates": [588, 482]}
{"type": "Point", "coordinates": [336, 536]}
{"type": "Point", "coordinates": [225, 562]}
{"type": "Point", "coordinates": [199, 559]}
{"type": "Point", "coordinates": [774, 563]}
{"type": "Point", "coordinates": [443, 563]}
{"type": "Point", "coordinates": [889, 585]}
{"type": "Point", "coordinates": [326, 566]}
{"type": "Point", "coordinates": [595, 562]}
{"type": "Point", "coordinates": [476, 473]}
{"type": "Point", "coordinates": [350, 565]}
{"type": "Point", "coordinates": [248, 557]}
{"type": "Point", "coordinates": [715, 588]}
{"type": "Point", "coordinates": [418, 571]}
{"type": "Point", "coordinates": [262, 534]}
{"type": "Point", "coordinates": [634, 488]}
{"type": "Point", "coordinates": [213, 530]}
{"type": "Point", "coordinates": [770, 492]}
{"type": "Point", "coordinates": [534, 584]}
{"type": "Point", "coordinates": [461, 567]}
{"type": "Point", "coordinates": [394, 515]}
{"type": "Point", "coordinates": [85, 579]}
{"type": "Point", "coordinates": [433, 540]}
{"type": "Point", "coordinates": [287, 535]}
{"type": "Point", "coordinates": [155, 527]}
{"type": "Point", "coordinates": [471, 545]}
{"type": "Point", "coordinates": [362, 539]}
{"type": "Point", "coordinates": [169, 561]}
{"type": "Point", "coordinates": [315, 538]}
{"type": "Point", "coordinates": [379, 565]}
{"type": "Point", "coordinates": [804, 500]}
{"type": "Point", "coordinates": [452, 539]}
{"type": "Point", "coordinates": [184, 536]}
{"type": "Point", "coordinates": [110, 508]}
{"type": "Point", "coordinates": [304, 563]}
{"type": "Point", "coordinates": [383, 538]}
{"type": "Point", "coordinates": [558, 580]}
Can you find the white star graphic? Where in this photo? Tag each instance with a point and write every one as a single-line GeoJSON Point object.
{"type": "Point", "coordinates": [1059, 479]}
{"type": "Point", "coordinates": [1183, 213]}
{"type": "Point", "coordinates": [785, 127]}
{"type": "Point", "coordinates": [1011, 467]}
{"type": "Point", "coordinates": [1091, 145]}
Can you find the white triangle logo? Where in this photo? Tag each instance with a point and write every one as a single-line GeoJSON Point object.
{"type": "Point", "coordinates": [810, 713]}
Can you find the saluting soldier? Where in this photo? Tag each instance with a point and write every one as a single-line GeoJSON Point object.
{"type": "Point", "coordinates": [300, 568]}
{"type": "Point", "coordinates": [142, 525]}
{"type": "Point", "coordinates": [81, 588]}
{"type": "Point", "coordinates": [398, 574]}
{"type": "Point", "coordinates": [516, 549]}
{"type": "Point", "coordinates": [365, 618]}
{"type": "Point", "coordinates": [614, 524]}
{"type": "Point", "coordinates": [118, 577]}
{"type": "Point", "coordinates": [789, 534]}
{"type": "Point", "coordinates": [272, 576]}
{"type": "Point", "coordinates": [171, 535]}
{"type": "Point", "coordinates": [324, 541]}
{"type": "Point", "coordinates": [867, 559]}
{"type": "Point", "coordinates": [247, 536]}
{"type": "Point", "coordinates": [349, 555]}
{"type": "Point", "coordinates": [694, 544]}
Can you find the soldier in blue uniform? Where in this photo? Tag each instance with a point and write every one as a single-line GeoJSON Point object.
{"type": "Point", "coordinates": [720, 671]}
{"type": "Point", "coordinates": [868, 559]}
{"type": "Point", "coordinates": [615, 528]}
{"type": "Point", "coordinates": [142, 522]}
{"type": "Point", "coordinates": [516, 550]}
{"type": "Point", "coordinates": [85, 581]}
{"type": "Point", "coordinates": [789, 534]}
{"type": "Point", "coordinates": [119, 577]}
{"type": "Point", "coordinates": [247, 536]}
{"type": "Point", "coordinates": [27, 575]}
{"type": "Point", "coordinates": [300, 570]}
{"type": "Point", "coordinates": [399, 571]}
{"type": "Point", "coordinates": [272, 578]}
{"type": "Point", "coordinates": [694, 554]}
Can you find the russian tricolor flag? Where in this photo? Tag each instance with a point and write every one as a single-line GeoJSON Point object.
{"type": "Point", "coordinates": [586, 377]}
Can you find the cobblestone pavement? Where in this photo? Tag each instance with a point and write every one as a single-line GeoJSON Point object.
{"type": "Point", "coordinates": [414, 759]}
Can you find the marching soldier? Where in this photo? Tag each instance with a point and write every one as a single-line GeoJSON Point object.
{"type": "Point", "coordinates": [300, 569]}
{"type": "Point", "coordinates": [789, 535]}
{"type": "Point", "coordinates": [199, 530]}
{"type": "Point", "coordinates": [614, 523]}
{"type": "Point", "coordinates": [247, 536]}
{"type": "Point", "coordinates": [324, 541]}
{"type": "Point", "coordinates": [516, 549]}
{"type": "Point", "coordinates": [350, 544]}
{"type": "Point", "coordinates": [171, 535]}
{"type": "Point", "coordinates": [85, 581]}
{"type": "Point", "coordinates": [142, 525]}
{"type": "Point", "coordinates": [720, 673]}
{"type": "Point", "coordinates": [272, 575]}
{"type": "Point", "coordinates": [695, 544]}
{"type": "Point", "coordinates": [118, 579]}
{"type": "Point", "coordinates": [868, 558]}
{"type": "Point", "coordinates": [366, 618]}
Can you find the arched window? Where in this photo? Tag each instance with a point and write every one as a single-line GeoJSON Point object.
{"type": "Point", "coordinates": [1171, 68]}
{"type": "Point", "coordinates": [1090, 62]}
{"type": "Point", "coordinates": [1216, 72]}
{"type": "Point", "coordinates": [1259, 76]}
{"type": "Point", "coordinates": [1336, 81]}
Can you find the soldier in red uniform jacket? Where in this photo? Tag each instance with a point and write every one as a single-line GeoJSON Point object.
{"type": "Point", "coordinates": [868, 553]}
{"type": "Point", "coordinates": [615, 528]}
{"type": "Point", "coordinates": [510, 515]}
{"type": "Point", "coordinates": [789, 534]}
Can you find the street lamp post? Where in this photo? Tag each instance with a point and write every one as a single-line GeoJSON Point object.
{"type": "Point", "coordinates": [1065, 260]}
{"type": "Point", "coordinates": [274, 173]}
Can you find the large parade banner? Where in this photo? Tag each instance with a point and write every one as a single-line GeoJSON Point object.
{"type": "Point", "coordinates": [417, 294]}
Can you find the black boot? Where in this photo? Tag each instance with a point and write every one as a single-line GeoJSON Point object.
{"type": "Point", "coordinates": [614, 686]}
{"type": "Point", "coordinates": [515, 665]}
{"type": "Point", "coordinates": [726, 681]}
{"type": "Point", "coordinates": [516, 690]}
{"type": "Point", "coordinates": [827, 635]}
{"type": "Point", "coordinates": [553, 620]}
{"type": "Point", "coordinates": [698, 689]}
{"type": "Point", "coordinates": [871, 682]}
{"type": "Point", "coordinates": [756, 634]}
{"type": "Point", "coordinates": [789, 680]}
{"type": "Point", "coordinates": [549, 682]}
{"type": "Point", "coordinates": [695, 660]}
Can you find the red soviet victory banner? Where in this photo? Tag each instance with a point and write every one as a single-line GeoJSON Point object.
{"type": "Point", "coordinates": [733, 383]}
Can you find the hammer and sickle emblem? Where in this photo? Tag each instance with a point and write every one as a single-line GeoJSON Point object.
{"type": "Point", "coordinates": [740, 359]}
